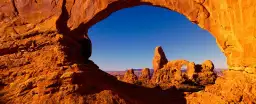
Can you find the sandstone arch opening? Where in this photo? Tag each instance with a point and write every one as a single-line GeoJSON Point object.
{"type": "Point", "coordinates": [127, 34]}
{"type": "Point", "coordinates": [199, 12]}
{"type": "Point", "coordinates": [41, 70]}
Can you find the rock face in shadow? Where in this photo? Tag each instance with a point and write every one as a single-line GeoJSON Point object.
{"type": "Point", "coordinates": [205, 74]}
{"type": "Point", "coordinates": [90, 84]}
{"type": "Point", "coordinates": [159, 59]}
{"type": "Point", "coordinates": [44, 50]}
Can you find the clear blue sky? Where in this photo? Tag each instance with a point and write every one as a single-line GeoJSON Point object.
{"type": "Point", "coordinates": [127, 38]}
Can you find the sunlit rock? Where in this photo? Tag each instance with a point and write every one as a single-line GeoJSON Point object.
{"type": "Point", "coordinates": [159, 59]}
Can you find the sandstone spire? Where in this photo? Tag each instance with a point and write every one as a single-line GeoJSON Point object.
{"type": "Point", "coordinates": [159, 59]}
{"type": "Point", "coordinates": [145, 74]}
{"type": "Point", "coordinates": [129, 76]}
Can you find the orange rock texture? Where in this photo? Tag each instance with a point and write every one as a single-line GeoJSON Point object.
{"type": "Point", "coordinates": [233, 87]}
{"type": "Point", "coordinates": [129, 76]}
{"type": "Point", "coordinates": [145, 75]}
{"type": "Point", "coordinates": [171, 72]}
{"type": "Point", "coordinates": [44, 51]}
{"type": "Point", "coordinates": [191, 69]}
{"type": "Point", "coordinates": [159, 59]}
{"type": "Point", "coordinates": [204, 74]}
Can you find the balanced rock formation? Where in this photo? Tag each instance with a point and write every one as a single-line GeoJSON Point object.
{"type": "Point", "coordinates": [129, 76]}
{"type": "Point", "coordinates": [159, 59]}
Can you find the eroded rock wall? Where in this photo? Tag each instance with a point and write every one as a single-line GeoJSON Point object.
{"type": "Point", "coordinates": [41, 40]}
{"type": "Point", "coordinates": [227, 21]}
{"type": "Point", "coordinates": [233, 87]}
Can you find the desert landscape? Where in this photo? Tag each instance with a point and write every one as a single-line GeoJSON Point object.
{"type": "Point", "coordinates": [45, 53]}
{"type": "Point", "coordinates": [168, 74]}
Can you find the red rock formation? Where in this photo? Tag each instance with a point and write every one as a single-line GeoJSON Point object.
{"type": "Point", "coordinates": [176, 64]}
{"type": "Point", "coordinates": [42, 40]}
{"type": "Point", "coordinates": [159, 59]}
{"type": "Point", "coordinates": [234, 86]}
{"type": "Point", "coordinates": [130, 77]}
{"type": "Point", "coordinates": [86, 82]}
{"type": "Point", "coordinates": [191, 70]}
{"type": "Point", "coordinates": [207, 66]}
{"type": "Point", "coordinates": [161, 76]}
{"type": "Point", "coordinates": [204, 73]}
{"type": "Point", "coordinates": [170, 73]}
{"type": "Point", "coordinates": [145, 75]}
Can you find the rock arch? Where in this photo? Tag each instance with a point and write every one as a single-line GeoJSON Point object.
{"type": "Point", "coordinates": [225, 20]}
{"type": "Point", "coordinates": [221, 19]}
{"type": "Point", "coordinates": [41, 42]}
{"type": "Point", "coordinates": [177, 64]}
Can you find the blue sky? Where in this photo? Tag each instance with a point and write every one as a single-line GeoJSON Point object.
{"type": "Point", "coordinates": [127, 38]}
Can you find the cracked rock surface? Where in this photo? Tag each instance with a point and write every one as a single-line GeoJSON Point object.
{"type": "Point", "coordinates": [44, 51]}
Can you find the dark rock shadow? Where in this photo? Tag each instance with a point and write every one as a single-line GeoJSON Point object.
{"type": "Point", "coordinates": [93, 80]}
